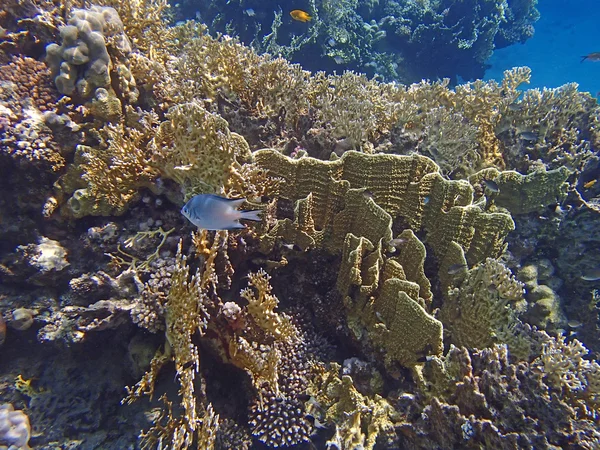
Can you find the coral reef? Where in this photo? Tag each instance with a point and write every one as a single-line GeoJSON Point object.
{"type": "Point", "coordinates": [479, 398]}
{"type": "Point", "coordinates": [386, 299]}
{"type": "Point", "coordinates": [405, 41]}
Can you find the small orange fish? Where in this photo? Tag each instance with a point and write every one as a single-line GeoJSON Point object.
{"type": "Point", "coordinates": [590, 183]}
{"type": "Point", "coordinates": [302, 16]}
{"type": "Point", "coordinates": [591, 57]}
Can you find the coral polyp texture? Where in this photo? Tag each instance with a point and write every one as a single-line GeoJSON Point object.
{"type": "Point", "coordinates": [423, 273]}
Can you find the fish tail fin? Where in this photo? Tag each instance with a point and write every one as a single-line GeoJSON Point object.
{"type": "Point", "coordinates": [252, 215]}
{"type": "Point", "coordinates": [583, 58]}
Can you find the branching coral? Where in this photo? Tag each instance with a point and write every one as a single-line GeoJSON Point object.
{"type": "Point", "coordinates": [185, 315]}
{"type": "Point", "coordinates": [480, 399]}
{"type": "Point", "coordinates": [484, 307]}
{"type": "Point", "coordinates": [359, 420]}
{"type": "Point", "coordinates": [261, 306]}
{"type": "Point", "coordinates": [113, 175]}
{"type": "Point", "coordinates": [195, 148]}
{"type": "Point", "coordinates": [567, 369]}
{"type": "Point", "coordinates": [561, 123]}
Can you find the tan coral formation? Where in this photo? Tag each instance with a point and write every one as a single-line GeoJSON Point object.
{"type": "Point", "coordinates": [522, 194]}
{"type": "Point", "coordinates": [483, 306]}
{"type": "Point", "coordinates": [567, 369]}
{"type": "Point", "coordinates": [195, 148]}
{"type": "Point", "coordinates": [348, 205]}
{"type": "Point", "coordinates": [359, 420]}
{"type": "Point", "coordinates": [383, 301]}
{"type": "Point", "coordinates": [409, 187]}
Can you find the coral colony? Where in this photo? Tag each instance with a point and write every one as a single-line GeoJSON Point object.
{"type": "Point", "coordinates": [422, 273]}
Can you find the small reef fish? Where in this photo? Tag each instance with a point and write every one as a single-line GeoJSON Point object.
{"type": "Point", "coordinates": [338, 59]}
{"type": "Point", "coordinates": [574, 323]}
{"type": "Point", "coordinates": [591, 57]}
{"type": "Point", "coordinates": [301, 16]}
{"type": "Point", "coordinates": [592, 275]}
{"type": "Point", "coordinates": [249, 12]}
{"type": "Point", "coordinates": [491, 185]}
{"type": "Point", "coordinates": [212, 212]}
{"type": "Point", "coordinates": [457, 268]}
{"type": "Point", "coordinates": [397, 242]}
{"type": "Point", "coordinates": [528, 136]}
{"type": "Point", "coordinates": [590, 183]}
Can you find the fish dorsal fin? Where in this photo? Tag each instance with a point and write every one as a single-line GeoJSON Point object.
{"type": "Point", "coordinates": [236, 202]}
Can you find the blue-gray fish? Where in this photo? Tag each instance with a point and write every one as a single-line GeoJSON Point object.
{"type": "Point", "coordinates": [592, 275]}
{"type": "Point", "coordinates": [212, 212]}
{"type": "Point", "coordinates": [528, 135]}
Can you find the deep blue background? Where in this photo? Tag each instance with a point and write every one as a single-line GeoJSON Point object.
{"type": "Point", "coordinates": [567, 30]}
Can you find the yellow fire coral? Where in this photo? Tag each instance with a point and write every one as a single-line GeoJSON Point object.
{"type": "Point", "coordinates": [195, 148]}
{"type": "Point", "coordinates": [262, 304]}
{"type": "Point", "coordinates": [384, 302]}
{"type": "Point", "coordinates": [483, 309]}
{"type": "Point", "coordinates": [522, 194]}
{"type": "Point", "coordinates": [113, 175]}
{"type": "Point", "coordinates": [358, 419]}
{"type": "Point", "coordinates": [409, 187]}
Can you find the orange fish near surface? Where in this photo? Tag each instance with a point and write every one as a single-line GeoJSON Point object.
{"type": "Point", "coordinates": [591, 57]}
{"type": "Point", "coordinates": [300, 15]}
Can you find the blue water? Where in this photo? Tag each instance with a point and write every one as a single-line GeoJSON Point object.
{"type": "Point", "coordinates": [566, 31]}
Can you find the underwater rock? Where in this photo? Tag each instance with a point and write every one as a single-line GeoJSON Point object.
{"type": "Point", "coordinates": [22, 319]}
{"type": "Point", "coordinates": [15, 430]}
